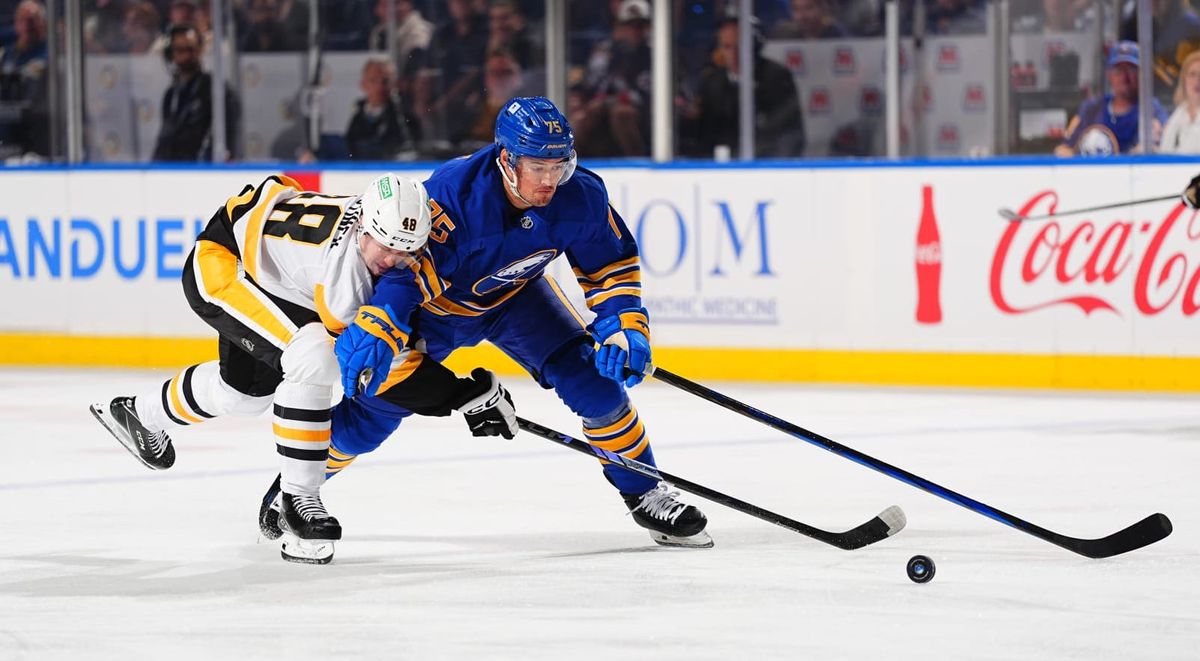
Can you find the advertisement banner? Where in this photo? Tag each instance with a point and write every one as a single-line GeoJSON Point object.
{"type": "Point", "coordinates": [847, 261]}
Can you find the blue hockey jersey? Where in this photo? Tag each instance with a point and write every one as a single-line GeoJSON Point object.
{"type": "Point", "coordinates": [482, 250]}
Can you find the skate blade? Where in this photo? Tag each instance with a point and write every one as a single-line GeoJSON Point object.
{"type": "Point", "coordinates": [700, 540]}
{"type": "Point", "coordinates": [102, 415]}
{"type": "Point", "coordinates": [307, 551]}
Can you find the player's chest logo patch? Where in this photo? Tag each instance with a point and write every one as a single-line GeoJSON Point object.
{"type": "Point", "coordinates": [516, 273]}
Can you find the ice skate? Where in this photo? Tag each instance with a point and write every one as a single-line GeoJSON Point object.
{"type": "Point", "coordinates": [308, 530]}
{"type": "Point", "coordinates": [670, 522]}
{"type": "Point", "coordinates": [152, 448]}
{"type": "Point", "coordinates": [268, 512]}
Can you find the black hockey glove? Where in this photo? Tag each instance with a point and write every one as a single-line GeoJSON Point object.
{"type": "Point", "coordinates": [1191, 194]}
{"type": "Point", "coordinates": [489, 411]}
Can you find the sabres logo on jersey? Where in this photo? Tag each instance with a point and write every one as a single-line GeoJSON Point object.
{"type": "Point", "coordinates": [1098, 140]}
{"type": "Point", "coordinates": [516, 273]}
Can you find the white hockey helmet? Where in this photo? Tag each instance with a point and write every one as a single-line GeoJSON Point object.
{"type": "Point", "coordinates": [395, 212]}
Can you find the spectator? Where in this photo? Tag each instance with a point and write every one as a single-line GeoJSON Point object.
{"type": "Point", "coordinates": [617, 112]}
{"type": "Point", "coordinates": [1182, 132]}
{"type": "Point", "coordinates": [1037, 16]}
{"type": "Point", "coordinates": [955, 17]}
{"type": "Point", "coordinates": [452, 72]}
{"type": "Point", "coordinates": [345, 25]}
{"type": "Point", "coordinates": [141, 27]}
{"type": "Point", "coordinates": [1176, 29]}
{"type": "Point", "coordinates": [265, 31]}
{"type": "Point", "coordinates": [810, 19]}
{"type": "Point", "coordinates": [1068, 15]}
{"type": "Point", "coordinates": [181, 12]}
{"type": "Point", "coordinates": [378, 130]}
{"type": "Point", "coordinates": [413, 35]}
{"type": "Point", "coordinates": [502, 81]}
{"type": "Point", "coordinates": [24, 119]}
{"type": "Point", "coordinates": [186, 132]}
{"type": "Point", "coordinates": [778, 121]}
{"type": "Point", "coordinates": [860, 18]}
{"type": "Point", "coordinates": [1108, 125]}
{"type": "Point", "coordinates": [508, 30]}
{"type": "Point", "coordinates": [103, 26]}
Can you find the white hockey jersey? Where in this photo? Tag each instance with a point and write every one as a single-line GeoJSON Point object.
{"type": "Point", "coordinates": [299, 246]}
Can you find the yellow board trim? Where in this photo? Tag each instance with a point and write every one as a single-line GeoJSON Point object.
{"type": "Point", "coordinates": [985, 370]}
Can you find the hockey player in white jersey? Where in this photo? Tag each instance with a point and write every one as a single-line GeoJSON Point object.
{"type": "Point", "coordinates": [277, 272]}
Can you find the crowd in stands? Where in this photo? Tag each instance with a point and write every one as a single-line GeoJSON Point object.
{"type": "Point", "coordinates": [432, 82]}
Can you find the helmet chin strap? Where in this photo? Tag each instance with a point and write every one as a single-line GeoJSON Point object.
{"type": "Point", "coordinates": [511, 182]}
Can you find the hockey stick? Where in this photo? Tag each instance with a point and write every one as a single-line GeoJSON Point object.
{"type": "Point", "coordinates": [888, 523]}
{"type": "Point", "coordinates": [1143, 533]}
{"type": "Point", "coordinates": [1009, 214]}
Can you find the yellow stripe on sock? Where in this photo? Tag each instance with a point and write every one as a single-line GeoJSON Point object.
{"type": "Point", "coordinates": [306, 435]}
{"type": "Point", "coordinates": [177, 404]}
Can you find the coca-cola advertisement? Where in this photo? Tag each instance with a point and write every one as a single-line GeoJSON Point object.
{"type": "Point", "coordinates": [1123, 263]}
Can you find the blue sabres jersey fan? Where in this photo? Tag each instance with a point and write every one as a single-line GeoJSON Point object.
{"type": "Point", "coordinates": [482, 250]}
{"type": "Point", "coordinates": [1097, 131]}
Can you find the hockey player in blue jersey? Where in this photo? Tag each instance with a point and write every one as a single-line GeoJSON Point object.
{"type": "Point", "coordinates": [499, 217]}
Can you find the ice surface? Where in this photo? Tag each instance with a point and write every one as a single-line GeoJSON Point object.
{"type": "Point", "coordinates": [458, 547]}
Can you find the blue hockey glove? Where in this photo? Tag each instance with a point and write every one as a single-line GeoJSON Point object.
{"type": "Point", "coordinates": [366, 348]}
{"type": "Point", "coordinates": [624, 342]}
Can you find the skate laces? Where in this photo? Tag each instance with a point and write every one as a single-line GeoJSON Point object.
{"type": "Point", "coordinates": [660, 504]}
{"type": "Point", "coordinates": [309, 506]}
{"type": "Point", "coordinates": [158, 442]}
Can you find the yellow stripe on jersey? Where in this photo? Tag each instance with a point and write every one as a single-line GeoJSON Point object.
{"type": "Point", "coordinates": [306, 435]}
{"type": "Point", "coordinates": [332, 323]}
{"type": "Point", "coordinates": [288, 181]}
{"type": "Point", "coordinates": [403, 371]}
{"type": "Point", "coordinates": [232, 206]}
{"type": "Point", "coordinates": [444, 306]}
{"type": "Point", "coordinates": [624, 290]}
{"type": "Point", "coordinates": [612, 222]}
{"type": "Point", "coordinates": [177, 401]}
{"type": "Point", "coordinates": [596, 278]}
{"type": "Point", "coordinates": [253, 235]}
{"type": "Point", "coordinates": [421, 284]}
{"type": "Point", "coordinates": [219, 274]}
{"type": "Point", "coordinates": [252, 240]}
{"type": "Point", "coordinates": [563, 298]}
{"type": "Point", "coordinates": [427, 270]}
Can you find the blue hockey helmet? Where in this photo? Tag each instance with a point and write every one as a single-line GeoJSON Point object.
{"type": "Point", "coordinates": [532, 126]}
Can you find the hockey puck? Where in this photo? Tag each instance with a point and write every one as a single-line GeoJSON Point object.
{"type": "Point", "coordinates": [920, 569]}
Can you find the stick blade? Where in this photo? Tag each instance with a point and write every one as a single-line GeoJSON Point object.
{"type": "Point", "coordinates": [887, 523]}
{"type": "Point", "coordinates": [1143, 533]}
{"type": "Point", "coordinates": [1009, 214]}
